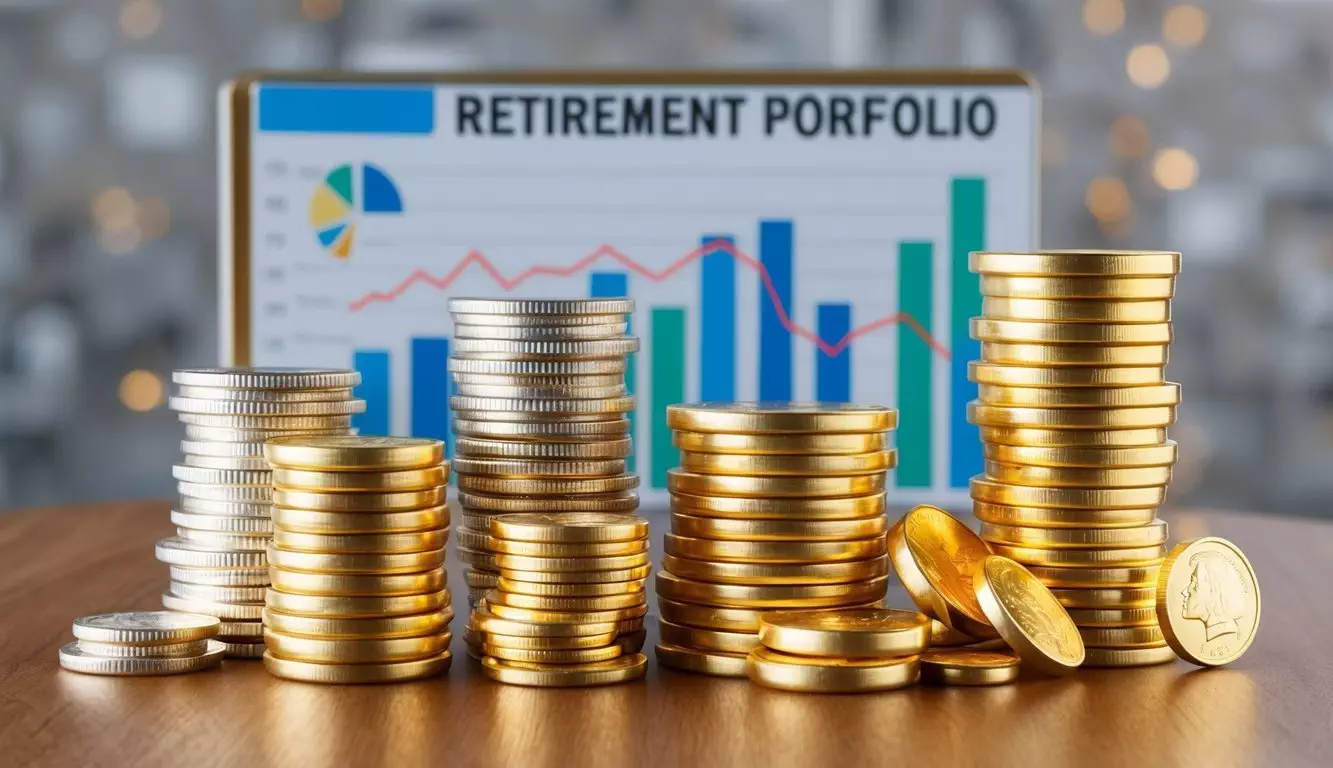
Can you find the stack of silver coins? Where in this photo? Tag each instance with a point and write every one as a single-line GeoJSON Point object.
{"type": "Point", "coordinates": [223, 518]}
{"type": "Point", "coordinates": [541, 414]}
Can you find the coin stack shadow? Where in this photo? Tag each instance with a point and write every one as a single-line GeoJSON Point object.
{"type": "Point", "coordinates": [771, 509]}
{"type": "Point", "coordinates": [540, 409]}
{"type": "Point", "coordinates": [359, 592]}
{"type": "Point", "coordinates": [1073, 407]}
{"type": "Point", "coordinates": [223, 519]}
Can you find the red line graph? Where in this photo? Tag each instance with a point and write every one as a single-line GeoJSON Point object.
{"type": "Point", "coordinates": [420, 275]}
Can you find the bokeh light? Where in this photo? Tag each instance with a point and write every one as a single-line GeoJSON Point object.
{"type": "Point", "coordinates": [141, 390]}
{"type": "Point", "coordinates": [321, 10]}
{"type": "Point", "coordinates": [1129, 137]}
{"type": "Point", "coordinates": [1174, 169]}
{"type": "Point", "coordinates": [1108, 199]}
{"type": "Point", "coordinates": [1147, 66]}
{"type": "Point", "coordinates": [1184, 25]}
{"type": "Point", "coordinates": [1104, 17]}
{"type": "Point", "coordinates": [140, 19]}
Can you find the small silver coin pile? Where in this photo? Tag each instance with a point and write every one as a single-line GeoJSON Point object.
{"type": "Point", "coordinates": [143, 643]}
{"type": "Point", "coordinates": [223, 518]}
{"type": "Point", "coordinates": [541, 410]}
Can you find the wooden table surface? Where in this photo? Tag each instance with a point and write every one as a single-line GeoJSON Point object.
{"type": "Point", "coordinates": [1273, 708]}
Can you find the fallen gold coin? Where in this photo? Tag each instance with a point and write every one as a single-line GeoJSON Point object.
{"type": "Point", "coordinates": [1208, 601]}
{"type": "Point", "coordinates": [1028, 616]}
{"type": "Point", "coordinates": [936, 557]}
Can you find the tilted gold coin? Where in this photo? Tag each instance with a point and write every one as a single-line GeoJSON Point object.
{"type": "Point", "coordinates": [788, 466]}
{"type": "Point", "coordinates": [566, 564]}
{"type": "Point", "coordinates": [1112, 617]}
{"type": "Point", "coordinates": [775, 551]}
{"type": "Point", "coordinates": [622, 502]}
{"type": "Point", "coordinates": [348, 674]}
{"type": "Point", "coordinates": [1028, 616]}
{"type": "Point", "coordinates": [836, 444]}
{"type": "Point", "coordinates": [325, 523]}
{"type": "Point", "coordinates": [777, 530]}
{"type": "Point", "coordinates": [1070, 418]}
{"type": "Point", "coordinates": [355, 607]}
{"type": "Point", "coordinates": [1119, 288]}
{"type": "Point", "coordinates": [414, 625]}
{"type": "Point", "coordinates": [1147, 535]}
{"type": "Point", "coordinates": [772, 669]}
{"type": "Point", "coordinates": [1025, 332]}
{"type": "Point", "coordinates": [968, 667]}
{"type": "Point", "coordinates": [1123, 637]}
{"type": "Point", "coordinates": [991, 491]}
{"type": "Point", "coordinates": [577, 577]}
{"type": "Point", "coordinates": [700, 662]}
{"type": "Point", "coordinates": [1097, 578]}
{"type": "Point", "coordinates": [355, 651]}
{"type": "Point", "coordinates": [776, 573]}
{"type": "Point", "coordinates": [145, 628]}
{"type": "Point", "coordinates": [621, 669]}
{"type": "Point", "coordinates": [486, 621]}
{"type": "Point", "coordinates": [415, 541]}
{"type": "Point", "coordinates": [679, 481]}
{"type": "Point", "coordinates": [945, 636]}
{"type": "Point", "coordinates": [1076, 263]}
{"type": "Point", "coordinates": [936, 557]}
{"type": "Point", "coordinates": [846, 633]}
{"type": "Point", "coordinates": [548, 549]}
{"type": "Point", "coordinates": [1063, 355]}
{"type": "Point", "coordinates": [1208, 601]}
{"type": "Point", "coordinates": [319, 501]}
{"type": "Point", "coordinates": [569, 527]}
{"type": "Point", "coordinates": [1142, 456]}
{"type": "Point", "coordinates": [521, 587]}
{"type": "Point", "coordinates": [617, 448]}
{"type": "Point", "coordinates": [765, 418]}
{"type": "Point", "coordinates": [500, 597]}
{"type": "Point", "coordinates": [562, 468]}
{"type": "Point", "coordinates": [319, 562]}
{"type": "Point", "coordinates": [1087, 558]}
{"type": "Point", "coordinates": [552, 656]}
{"type": "Point", "coordinates": [1080, 397]}
{"type": "Point", "coordinates": [738, 508]}
{"type": "Point", "coordinates": [783, 596]}
{"type": "Point", "coordinates": [707, 639]}
{"type": "Point", "coordinates": [1106, 597]}
{"type": "Point", "coordinates": [1076, 311]}
{"type": "Point", "coordinates": [1129, 657]}
{"type": "Point", "coordinates": [1081, 376]}
{"type": "Point", "coordinates": [358, 584]}
{"type": "Point", "coordinates": [391, 481]}
{"type": "Point", "coordinates": [1056, 518]}
{"type": "Point", "coordinates": [547, 486]}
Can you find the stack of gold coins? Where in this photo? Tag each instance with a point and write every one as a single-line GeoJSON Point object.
{"type": "Point", "coordinates": [1073, 408]}
{"type": "Point", "coordinates": [541, 413]}
{"type": "Point", "coordinates": [143, 643]}
{"type": "Point", "coordinates": [223, 521]}
{"type": "Point", "coordinates": [359, 593]}
{"type": "Point", "coordinates": [843, 651]}
{"type": "Point", "coordinates": [776, 506]}
{"type": "Point", "coordinates": [569, 604]}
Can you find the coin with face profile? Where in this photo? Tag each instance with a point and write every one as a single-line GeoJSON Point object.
{"type": "Point", "coordinates": [1208, 601]}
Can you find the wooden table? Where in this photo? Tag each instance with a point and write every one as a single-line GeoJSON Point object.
{"type": "Point", "coordinates": [1274, 708]}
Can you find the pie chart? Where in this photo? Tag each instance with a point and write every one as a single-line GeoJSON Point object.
{"type": "Point", "coordinates": [339, 202]}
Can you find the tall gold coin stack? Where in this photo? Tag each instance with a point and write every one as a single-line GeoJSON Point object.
{"type": "Point", "coordinates": [541, 412]}
{"type": "Point", "coordinates": [569, 606]}
{"type": "Point", "coordinates": [1073, 409]}
{"type": "Point", "coordinates": [776, 506]}
{"type": "Point", "coordinates": [359, 593]}
{"type": "Point", "coordinates": [223, 519]}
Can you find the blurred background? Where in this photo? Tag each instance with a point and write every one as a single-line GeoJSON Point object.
{"type": "Point", "coordinates": [1205, 128]}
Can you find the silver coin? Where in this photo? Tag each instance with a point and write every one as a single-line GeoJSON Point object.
{"type": "Point", "coordinates": [225, 508]}
{"type": "Point", "coordinates": [219, 540]}
{"type": "Point", "coordinates": [268, 378]}
{"type": "Point", "coordinates": [241, 630]}
{"type": "Point", "coordinates": [522, 449]}
{"type": "Point", "coordinates": [541, 430]}
{"type": "Point", "coordinates": [194, 405]}
{"type": "Point", "coordinates": [264, 395]}
{"type": "Point", "coordinates": [231, 611]}
{"type": "Point", "coordinates": [226, 462]}
{"type": "Point", "coordinates": [603, 367]}
{"type": "Point", "coordinates": [194, 432]}
{"type": "Point", "coordinates": [247, 450]}
{"type": "Point", "coordinates": [242, 524]}
{"type": "Point", "coordinates": [538, 467]}
{"type": "Point", "coordinates": [508, 380]}
{"type": "Point", "coordinates": [144, 627]}
{"type": "Point", "coordinates": [533, 321]}
{"type": "Point", "coordinates": [480, 503]}
{"type": "Point", "coordinates": [531, 416]}
{"type": "Point", "coordinates": [76, 660]}
{"type": "Point", "coordinates": [495, 349]}
{"type": "Point", "coordinates": [188, 474]}
{"type": "Point", "coordinates": [244, 493]}
{"type": "Point", "coordinates": [174, 551]}
{"type": "Point", "coordinates": [216, 594]}
{"type": "Point", "coordinates": [540, 332]}
{"type": "Point", "coordinates": [220, 577]}
{"type": "Point", "coordinates": [164, 651]}
{"type": "Point", "coordinates": [250, 650]}
{"type": "Point", "coordinates": [498, 405]}
{"type": "Point", "coordinates": [477, 306]}
{"type": "Point", "coordinates": [541, 392]}
{"type": "Point", "coordinates": [290, 424]}
{"type": "Point", "coordinates": [470, 539]}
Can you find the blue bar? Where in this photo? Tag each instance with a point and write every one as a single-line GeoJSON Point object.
{"type": "Point", "coordinates": [775, 253]}
{"type": "Point", "coordinates": [374, 389]}
{"type": "Point", "coordinates": [833, 375]}
{"type": "Point", "coordinates": [614, 285]}
{"type": "Point", "coordinates": [717, 325]}
{"type": "Point", "coordinates": [383, 109]}
{"type": "Point", "coordinates": [430, 389]}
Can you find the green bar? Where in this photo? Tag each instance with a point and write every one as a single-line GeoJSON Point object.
{"type": "Point", "coordinates": [967, 232]}
{"type": "Point", "coordinates": [668, 359]}
{"type": "Point", "coordinates": [915, 299]}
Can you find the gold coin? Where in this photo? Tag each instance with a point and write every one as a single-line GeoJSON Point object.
{"type": "Point", "coordinates": [519, 587]}
{"type": "Point", "coordinates": [357, 585]}
{"type": "Point", "coordinates": [968, 667]}
{"type": "Point", "coordinates": [736, 508]}
{"type": "Point", "coordinates": [1143, 456]}
{"type": "Point", "coordinates": [935, 557]}
{"type": "Point", "coordinates": [942, 634]}
{"type": "Point", "coordinates": [777, 530]}
{"type": "Point", "coordinates": [1025, 376]}
{"type": "Point", "coordinates": [145, 628]}
{"type": "Point", "coordinates": [470, 539]}
{"type": "Point", "coordinates": [566, 564]}
{"type": "Point", "coordinates": [230, 611]}
{"type": "Point", "coordinates": [781, 487]}
{"type": "Point", "coordinates": [319, 562]}
{"type": "Point", "coordinates": [1061, 355]}
{"type": "Point", "coordinates": [784, 596]}
{"type": "Point", "coordinates": [486, 621]}
{"type": "Point", "coordinates": [622, 502]}
{"type": "Point", "coordinates": [544, 549]}
{"type": "Point", "coordinates": [987, 490]}
{"type": "Point", "coordinates": [547, 486]}
{"type": "Point", "coordinates": [76, 659]}
{"type": "Point", "coordinates": [701, 662]}
{"type": "Point", "coordinates": [1076, 311]}
{"type": "Point", "coordinates": [774, 551]}
{"type": "Point", "coordinates": [760, 418]}
{"type": "Point", "coordinates": [569, 527]}
{"type": "Point", "coordinates": [1052, 518]}
{"type": "Point", "coordinates": [617, 448]}
{"type": "Point", "coordinates": [1097, 578]}
{"type": "Point", "coordinates": [1087, 558]}
{"type": "Point", "coordinates": [822, 675]}
{"type": "Point", "coordinates": [632, 642]}
{"type": "Point", "coordinates": [1079, 397]}
{"type": "Point", "coordinates": [481, 579]}
{"type": "Point", "coordinates": [1078, 477]}
{"type": "Point", "coordinates": [1076, 263]}
{"type": "Point", "coordinates": [578, 642]}
{"type": "Point", "coordinates": [414, 625]}
{"type": "Point", "coordinates": [416, 541]}
{"type": "Point", "coordinates": [356, 453]}
{"type": "Point", "coordinates": [781, 445]}
{"type": "Point", "coordinates": [1106, 597]}
{"type": "Point", "coordinates": [1123, 637]}
{"type": "Point", "coordinates": [535, 615]}
{"type": "Point", "coordinates": [539, 467]}
{"type": "Point", "coordinates": [1076, 538]}
{"type": "Point", "coordinates": [710, 617]}
{"type": "Point", "coordinates": [345, 607]}
{"type": "Point", "coordinates": [846, 633]}
{"type": "Point", "coordinates": [1208, 601]}
{"type": "Point", "coordinates": [577, 577]}
{"type": "Point", "coordinates": [326, 523]}
{"type": "Point", "coordinates": [1113, 617]}
{"type": "Point", "coordinates": [392, 481]}
{"type": "Point", "coordinates": [1028, 616]}
{"type": "Point", "coordinates": [477, 558]}
{"type": "Point", "coordinates": [1070, 418]}
{"type": "Point", "coordinates": [760, 574]}
{"type": "Point", "coordinates": [621, 669]}
{"type": "Point", "coordinates": [544, 656]}
{"type": "Point", "coordinates": [315, 501]}
{"type": "Point", "coordinates": [476, 521]}
{"type": "Point", "coordinates": [346, 674]}
{"type": "Point", "coordinates": [1024, 332]}
{"type": "Point", "coordinates": [500, 597]}
{"type": "Point", "coordinates": [707, 639]}
{"type": "Point", "coordinates": [788, 466]}
{"type": "Point", "coordinates": [1129, 657]}
{"type": "Point", "coordinates": [1121, 288]}
{"type": "Point", "coordinates": [1073, 438]}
